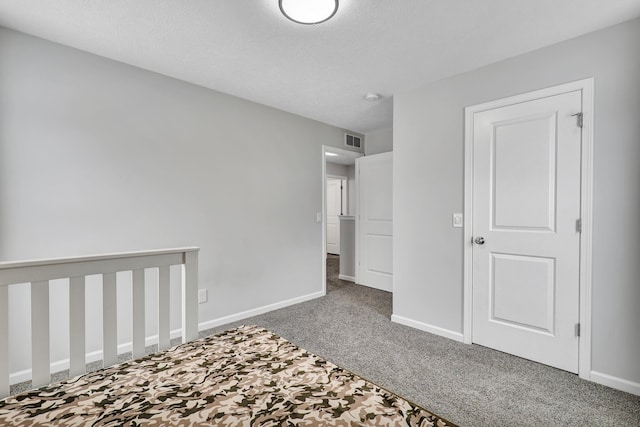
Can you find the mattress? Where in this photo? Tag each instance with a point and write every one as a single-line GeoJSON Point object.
{"type": "Point", "coordinates": [241, 377]}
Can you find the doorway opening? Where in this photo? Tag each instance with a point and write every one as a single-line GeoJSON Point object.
{"type": "Point", "coordinates": [339, 199]}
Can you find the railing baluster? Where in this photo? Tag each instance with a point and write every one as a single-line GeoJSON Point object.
{"type": "Point", "coordinates": [190, 297]}
{"type": "Point", "coordinates": [77, 345]}
{"type": "Point", "coordinates": [4, 341]}
{"type": "Point", "coordinates": [164, 326]}
{"type": "Point", "coordinates": [40, 356]}
{"type": "Point", "coordinates": [137, 304]}
{"type": "Point", "coordinates": [109, 320]}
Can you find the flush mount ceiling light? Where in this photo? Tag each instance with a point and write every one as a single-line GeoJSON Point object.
{"type": "Point", "coordinates": [308, 12]}
{"type": "Point", "coordinates": [370, 96]}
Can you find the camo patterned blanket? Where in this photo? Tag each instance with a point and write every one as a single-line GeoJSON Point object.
{"type": "Point", "coordinates": [242, 377]}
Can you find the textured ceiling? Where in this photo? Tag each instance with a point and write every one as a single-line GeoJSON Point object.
{"type": "Point", "coordinates": [248, 49]}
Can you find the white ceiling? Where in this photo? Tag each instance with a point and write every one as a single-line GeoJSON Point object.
{"type": "Point", "coordinates": [248, 49]}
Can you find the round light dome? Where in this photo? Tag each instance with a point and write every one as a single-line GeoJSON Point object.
{"type": "Point", "coordinates": [309, 12]}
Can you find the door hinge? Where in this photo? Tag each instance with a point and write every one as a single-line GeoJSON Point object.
{"type": "Point", "coordinates": [577, 329]}
{"type": "Point", "coordinates": [579, 119]}
{"type": "Point", "coordinates": [579, 225]}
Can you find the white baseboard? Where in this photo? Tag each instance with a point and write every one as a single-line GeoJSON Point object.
{"type": "Point", "coordinates": [345, 277]}
{"type": "Point", "coordinates": [615, 382]}
{"type": "Point", "coordinates": [436, 330]}
{"type": "Point", "coordinates": [256, 311]}
{"type": "Point", "coordinates": [61, 365]}
{"type": "Point", "coordinates": [596, 377]}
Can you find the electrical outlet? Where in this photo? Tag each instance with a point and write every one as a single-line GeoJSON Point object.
{"type": "Point", "coordinates": [202, 296]}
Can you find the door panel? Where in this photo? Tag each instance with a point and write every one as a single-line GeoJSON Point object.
{"type": "Point", "coordinates": [523, 291]}
{"type": "Point", "coordinates": [379, 253]}
{"type": "Point", "coordinates": [526, 200]}
{"type": "Point", "coordinates": [375, 221]}
{"type": "Point", "coordinates": [524, 181]}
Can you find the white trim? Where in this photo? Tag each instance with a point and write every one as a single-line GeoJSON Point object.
{"type": "Point", "coordinates": [357, 219]}
{"type": "Point", "coordinates": [323, 258]}
{"type": "Point", "coordinates": [436, 330]}
{"type": "Point", "coordinates": [256, 311]}
{"type": "Point", "coordinates": [586, 213]}
{"type": "Point", "coordinates": [467, 273]}
{"type": "Point", "coordinates": [345, 277]}
{"type": "Point", "coordinates": [615, 382]}
{"type": "Point", "coordinates": [586, 86]}
{"type": "Point", "coordinates": [98, 257]}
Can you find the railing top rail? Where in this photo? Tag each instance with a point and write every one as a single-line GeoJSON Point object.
{"type": "Point", "coordinates": [100, 257]}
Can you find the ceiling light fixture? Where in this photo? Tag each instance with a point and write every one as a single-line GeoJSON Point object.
{"type": "Point", "coordinates": [372, 96]}
{"type": "Point", "coordinates": [330, 154]}
{"type": "Point", "coordinates": [308, 12]}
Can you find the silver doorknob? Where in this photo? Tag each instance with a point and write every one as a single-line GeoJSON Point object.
{"type": "Point", "coordinates": [479, 240]}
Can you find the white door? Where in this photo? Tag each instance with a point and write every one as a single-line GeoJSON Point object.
{"type": "Point", "coordinates": [374, 221]}
{"type": "Point", "coordinates": [526, 201]}
{"type": "Point", "coordinates": [333, 212]}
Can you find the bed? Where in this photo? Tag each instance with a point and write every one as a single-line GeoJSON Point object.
{"type": "Point", "coordinates": [244, 376]}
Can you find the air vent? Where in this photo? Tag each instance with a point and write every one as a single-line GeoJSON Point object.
{"type": "Point", "coordinates": [352, 141]}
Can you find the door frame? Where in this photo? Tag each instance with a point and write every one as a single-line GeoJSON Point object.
{"type": "Point", "coordinates": [586, 87]}
{"type": "Point", "coordinates": [323, 213]}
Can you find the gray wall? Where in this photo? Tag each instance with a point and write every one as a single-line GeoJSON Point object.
{"type": "Point", "coordinates": [336, 169]}
{"type": "Point", "coordinates": [97, 156]}
{"type": "Point", "coordinates": [379, 141]}
{"type": "Point", "coordinates": [428, 186]}
{"type": "Point", "coordinates": [352, 189]}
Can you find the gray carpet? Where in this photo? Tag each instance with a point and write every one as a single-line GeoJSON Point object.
{"type": "Point", "coordinates": [467, 384]}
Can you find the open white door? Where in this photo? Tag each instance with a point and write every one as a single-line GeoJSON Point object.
{"type": "Point", "coordinates": [334, 200]}
{"type": "Point", "coordinates": [375, 221]}
{"type": "Point", "coordinates": [526, 233]}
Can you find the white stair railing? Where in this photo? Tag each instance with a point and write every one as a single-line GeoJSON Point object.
{"type": "Point", "coordinates": [39, 273]}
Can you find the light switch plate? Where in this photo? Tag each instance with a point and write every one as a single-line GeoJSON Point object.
{"type": "Point", "coordinates": [202, 296]}
{"type": "Point", "coordinates": [318, 217]}
{"type": "Point", "coordinates": [457, 220]}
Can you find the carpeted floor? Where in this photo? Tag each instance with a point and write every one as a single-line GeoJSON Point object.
{"type": "Point", "coordinates": [467, 384]}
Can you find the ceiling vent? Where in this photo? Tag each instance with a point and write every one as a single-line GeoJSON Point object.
{"type": "Point", "coordinates": [352, 141]}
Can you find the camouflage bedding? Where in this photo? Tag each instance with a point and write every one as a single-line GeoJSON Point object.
{"type": "Point", "coordinates": [242, 377]}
